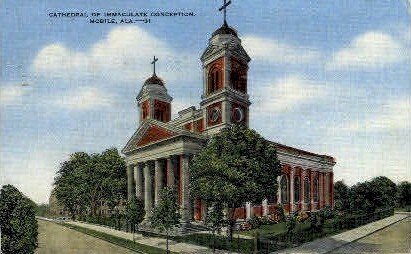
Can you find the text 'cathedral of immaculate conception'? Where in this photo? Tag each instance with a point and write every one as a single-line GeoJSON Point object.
{"type": "Point", "coordinates": [158, 154]}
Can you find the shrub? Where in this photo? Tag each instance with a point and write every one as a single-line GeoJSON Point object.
{"type": "Point", "coordinates": [255, 222]}
{"type": "Point", "coordinates": [17, 221]}
{"type": "Point", "coordinates": [290, 224]}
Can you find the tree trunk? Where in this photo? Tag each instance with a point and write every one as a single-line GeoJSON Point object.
{"type": "Point", "coordinates": [231, 223]}
{"type": "Point", "coordinates": [167, 242]}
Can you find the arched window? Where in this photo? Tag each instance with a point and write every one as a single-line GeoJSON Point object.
{"type": "Point", "coordinates": [284, 189]}
{"type": "Point", "coordinates": [297, 187]}
{"type": "Point", "coordinates": [316, 190]}
{"type": "Point", "coordinates": [215, 79]}
{"type": "Point", "coordinates": [307, 190]}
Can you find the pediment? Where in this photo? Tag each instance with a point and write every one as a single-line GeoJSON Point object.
{"type": "Point", "coordinates": [149, 132]}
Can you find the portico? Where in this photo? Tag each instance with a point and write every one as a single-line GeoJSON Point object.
{"type": "Point", "coordinates": [151, 165]}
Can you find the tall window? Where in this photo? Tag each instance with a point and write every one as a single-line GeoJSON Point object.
{"type": "Point", "coordinates": [307, 190]}
{"type": "Point", "coordinates": [284, 189]}
{"type": "Point", "coordinates": [215, 79]}
{"type": "Point", "coordinates": [297, 187]}
{"type": "Point", "coordinates": [316, 190]}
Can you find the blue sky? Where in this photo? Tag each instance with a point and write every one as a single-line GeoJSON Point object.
{"type": "Point", "coordinates": [331, 77]}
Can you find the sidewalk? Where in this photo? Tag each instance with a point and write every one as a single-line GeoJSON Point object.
{"type": "Point", "coordinates": [328, 244]}
{"type": "Point", "coordinates": [151, 241]}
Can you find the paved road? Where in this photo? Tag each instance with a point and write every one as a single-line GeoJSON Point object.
{"type": "Point", "coordinates": [393, 239]}
{"type": "Point", "coordinates": [54, 238]}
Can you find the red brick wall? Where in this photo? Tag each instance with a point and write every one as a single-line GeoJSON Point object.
{"type": "Point", "coordinates": [153, 134]}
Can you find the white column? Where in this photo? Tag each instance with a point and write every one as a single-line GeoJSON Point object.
{"type": "Point", "coordinates": [265, 207]}
{"type": "Point", "coordinates": [186, 208]}
{"type": "Point", "coordinates": [170, 171]}
{"type": "Point", "coordinates": [158, 171]}
{"type": "Point", "coordinates": [138, 178]}
{"type": "Point", "coordinates": [129, 182]}
{"type": "Point", "coordinates": [148, 190]}
{"type": "Point", "coordinates": [279, 189]}
{"type": "Point", "coordinates": [248, 212]}
{"type": "Point", "coordinates": [292, 190]}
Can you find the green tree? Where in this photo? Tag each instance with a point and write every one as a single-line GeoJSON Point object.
{"type": "Point", "coordinates": [43, 210]}
{"type": "Point", "coordinates": [362, 198]}
{"type": "Point", "coordinates": [166, 213]}
{"type": "Point", "coordinates": [71, 185]}
{"type": "Point", "coordinates": [341, 196]}
{"type": "Point", "coordinates": [17, 222]}
{"type": "Point", "coordinates": [237, 165]}
{"type": "Point", "coordinates": [135, 212]}
{"type": "Point", "coordinates": [215, 219]}
{"type": "Point", "coordinates": [404, 194]}
{"type": "Point", "coordinates": [87, 182]}
{"type": "Point", "coordinates": [384, 191]}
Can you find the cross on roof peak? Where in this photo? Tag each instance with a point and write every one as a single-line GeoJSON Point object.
{"type": "Point", "coordinates": [224, 9]}
{"type": "Point", "coordinates": [154, 64]}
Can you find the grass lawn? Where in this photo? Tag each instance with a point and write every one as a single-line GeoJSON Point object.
{"type": "Point", "coordinates": [275, 229]}
{"type": "Point", "coordinates": [139, 248]}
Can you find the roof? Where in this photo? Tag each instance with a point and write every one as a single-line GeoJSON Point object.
{"type": "Point", "coordinates": [286, 148]}
{"type": "Point", "coordinates": [225, 29]}
{"type": "Point", "coordinates": [154, 80]}
{"type": "Point", "coordinates": [152, 132]}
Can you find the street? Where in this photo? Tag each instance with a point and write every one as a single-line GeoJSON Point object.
{"type": "Point", "coordinates": [393, 239]}
{"type": "Point", "coordinates": [54, 238]}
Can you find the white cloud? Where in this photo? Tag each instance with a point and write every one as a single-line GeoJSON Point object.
{"type": "Point", "coordinates": [83, 99]}
{"type": "Point", "coordinates": [123, 55]}
{"type": "Point", "coordinates": [287, 94]}
{"type": "Point", "coordinates": [393, 115]}
{"type": "Point", "coordinates": [370, 50]}
{"type": "Point", "coordinates": [11, 94]}
{"type": "Point", "coordinates": [275, 51]}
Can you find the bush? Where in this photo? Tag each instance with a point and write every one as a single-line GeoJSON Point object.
{"type": "Point", "coordinates": [255, 222]}
{"type": "Point", "coordinates": [290, 224]}
{"type": "Point", "coordinates": [17, 221]}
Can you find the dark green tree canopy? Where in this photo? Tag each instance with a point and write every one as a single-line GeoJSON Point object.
{"type": "Point", "coordinates": [85, 182]}
{"type": "Point", "coordinates": [404, 194]}
{"type": "Point", "coordinates": [237, 165]}
{"type": "Point", "coordinates": [17, 221]}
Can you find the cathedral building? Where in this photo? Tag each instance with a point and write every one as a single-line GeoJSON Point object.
{"type": "Point", "coordinates": [159, 152]}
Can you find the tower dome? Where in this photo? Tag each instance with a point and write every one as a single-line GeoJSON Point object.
{"type": "Point", "coordinates": [154, 80]}
{"type": "Point", "coordinates": [225, 29]}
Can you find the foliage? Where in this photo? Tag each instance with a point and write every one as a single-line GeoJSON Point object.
{"type": "Point", "coordinates": [404, 194]}
{"type": "Point", "coordinates": [166, 214]}
{"type": "Point", "coordinates": [385, 192]}
{"type": "Point", "coordinates": [86, 183]}
{"type": "Point", "coordinates": [17, 222]}
{"type": "Point", "coordinates": [135, 212]}
{"type": "Point", "coordinates": [236, 165]}
{"type": "Point", "coordinates": [341, 197]}
{"type": "Point", "coordinates": [255, 222]}
{"type": "Point", "coordinates": [366, 197]}
{"type": "Point", "coordinates": [290, 224]}
{"type": "Point", "coordinates": [43, 210]}
{"type": "Point", "coordinates": [215, 217]}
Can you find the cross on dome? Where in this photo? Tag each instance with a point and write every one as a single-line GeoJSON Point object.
{"type": "Point", "coordinates": [224, 9]}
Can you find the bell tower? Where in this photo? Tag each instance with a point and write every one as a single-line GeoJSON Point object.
{"type": "Point", "coordinates": [225, 65]}
{"type": "Point", "coordinates": [153, 100]}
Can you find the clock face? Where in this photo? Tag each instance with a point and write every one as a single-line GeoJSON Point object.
{"type": "Point", "coordinates": [238, 115]}
{"type": "Point", "coordinates": [214, 115]}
